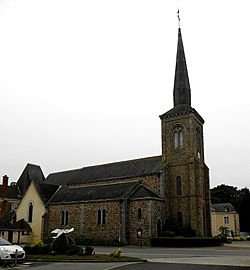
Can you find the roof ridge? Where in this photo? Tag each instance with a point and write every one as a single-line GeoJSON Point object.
{"type": "Point", "coordinates": [122, 161]}
{"type": "Point", "coordinates": [94, 184]}
{"type": "Point", "coordinates": [106, 164]}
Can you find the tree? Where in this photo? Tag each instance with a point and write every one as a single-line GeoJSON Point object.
{"type": "Point", "coordinates": [240, 199]}
{"type": "Point", "coordinates": [223, 232]}
{"type": "Point", "coordinates": [244, 210]}
{"type": "Point", "coordinates": [225, 194]}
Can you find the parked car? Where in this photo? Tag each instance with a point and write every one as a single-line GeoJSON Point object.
{"type": "Point", "coordinates": [8, 251]}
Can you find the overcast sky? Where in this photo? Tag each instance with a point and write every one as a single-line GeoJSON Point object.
{"type": "Point", "coordinates": [84, 82]}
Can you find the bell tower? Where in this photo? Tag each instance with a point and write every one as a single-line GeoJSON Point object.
{"type": "Point", "coordinates": [186, 175]}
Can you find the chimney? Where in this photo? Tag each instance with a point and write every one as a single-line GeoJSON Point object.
{"type": "Point", "coordinates": [5, 186]}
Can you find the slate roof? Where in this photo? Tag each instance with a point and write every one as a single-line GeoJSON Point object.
{"type": "Point", "coordinates": [31, 172]}
{"type": "Point", "coordinates": [223, 207]}
{"type": "Point", "coordinates": [94, 193]}
{"type": "Point", "coordinates": [117, 170]}
{"type": "Point", "coordinates": [143, 193]}
{"type": "Point", "coordinates": [181, 110]}
{"type": "Point", "coordinates": [45, 191]}
{"type": "Point", "coordinates": [20, 225]}
{"type": "Point", "coordinates": [182, 92]}
{"type": "Point", "coordinates": [13, 193]}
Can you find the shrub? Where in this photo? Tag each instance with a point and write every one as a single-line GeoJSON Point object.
{"type": "Point", "coordinates": [81, 240]}
{"type": "Point", "coordinates": [224, 233]}
{"type": "Point", "coordinates": [168, 233]}
{"type": "Point", "coordinates": [117, 253]}
{"type": "Point", "coordinates": [61, 245]}
{"type": "Point", "coordinates": [37, 248]}
{"type": "Point", "coordinates": [89, 251]}
{"type": "Point", "coordinates": [173, 228]}
{"type": "Point", "coordinates": [75, 250]}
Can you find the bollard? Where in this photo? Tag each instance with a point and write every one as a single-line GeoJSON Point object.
{"type": "Point", "coordinates": [15, 263]}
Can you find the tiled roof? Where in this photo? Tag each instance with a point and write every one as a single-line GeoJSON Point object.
{"type": "Point", "coordinates": [94, 193]}
{"type": "Point", "coordinates": [124, 169]}
{"type": "Point", "coordinates": [223, 207]}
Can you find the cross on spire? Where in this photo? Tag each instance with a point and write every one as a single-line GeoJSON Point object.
{"type": "Point", "coordinates": [179, 20]}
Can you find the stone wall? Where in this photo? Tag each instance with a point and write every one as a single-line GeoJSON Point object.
{"type": "Point", "coordinates": [83, 218]}
{"type": "Point", "coordinates": [120, 223]}
{"type": "Point", "coordinates": [150, 181]}
{"type": "Point", "coordinates": [186, 162]}
{"type": "Point", "coordinates": [151, 212]}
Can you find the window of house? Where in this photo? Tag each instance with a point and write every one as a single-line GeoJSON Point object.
{"type": "Point", "coordinates": [30, 214]}
{"type": "Point", "coordinates": [178, 185]}
{"type": "Point", "coordinates": [101, 216]}
{"type": "Point", "coordinates": [226, 220]}
{"type": "Point", "coordinates": [139, 214]}
{"type": "Point", "coordinates": [64, 217]}
{"type": "Point", "coordinates": [178, 138]}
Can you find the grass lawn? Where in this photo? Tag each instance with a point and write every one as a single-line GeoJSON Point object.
{"type": "Point", "coordinates": [96, 257]}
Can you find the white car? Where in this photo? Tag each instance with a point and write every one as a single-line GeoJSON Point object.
{"type": "Point", "coordinates": [8, 251]}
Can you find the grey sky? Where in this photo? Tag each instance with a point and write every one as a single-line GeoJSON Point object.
{"type": "Point", "coordinates": [83, 82]}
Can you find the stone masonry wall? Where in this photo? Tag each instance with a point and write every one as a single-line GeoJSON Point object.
{"type": "Point", "coordinates": [143, 223]}
{"type": "Point", "coordinates": [150, 181]}
{"type": "Point", "coordinates": [188, 163]}
{"type": "Point", "coordinates": [151, 212]}
{"type": "Point", "coordinates": [83, 218]}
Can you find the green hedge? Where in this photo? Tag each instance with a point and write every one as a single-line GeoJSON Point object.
{"type": "Point", "coordinates": [61, 245]}
{"type": "Point", "coordinates": [80, 240]}
{"type": "Point", "coordinates": [185, 242]}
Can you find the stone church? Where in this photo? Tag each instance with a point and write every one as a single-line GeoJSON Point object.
{"type": "Point", "coordinates": [125, 200]}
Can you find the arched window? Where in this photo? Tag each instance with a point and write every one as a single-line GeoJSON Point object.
{"type": "Point", "coordinates": [176, 140]}
{"type": "Point", "coordinates": [139, 214]}
{"type": "Point", "coordinates": [179, 218]}
{"type": "Point", "coordinates": [178, 185]}
{"type": "Point", "coordinates": [178, 137]}
{"type": "Point", "coordinates": [181, 139]}
{"type": "Point", "coordinates": [30, 216]}
{"type": "Point", "coordinates": [101, 216]}
{"type": "Point", "coordinates": [64, 218]}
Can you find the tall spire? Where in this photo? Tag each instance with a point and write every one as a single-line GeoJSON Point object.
{"type": "Point", "coordinates": [182, 93]}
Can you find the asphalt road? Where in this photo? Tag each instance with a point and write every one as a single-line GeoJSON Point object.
{"type": "Point", "coordinates": [175, 266]}
{"type": "Point", "coordinates": [228, 258]}
{"type": "Point", "coordinates": [124, 266]}
{"type": "Point", "coordinates": [207, 256]}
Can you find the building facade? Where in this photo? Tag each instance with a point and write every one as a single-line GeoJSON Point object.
{"type": "Point", "coordinates": [224, 214]}
{"type": "Point", "coordinates": [133, 200]}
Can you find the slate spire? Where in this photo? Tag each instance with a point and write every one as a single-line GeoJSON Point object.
{"type": "Point", "coordinates": [182, 93]}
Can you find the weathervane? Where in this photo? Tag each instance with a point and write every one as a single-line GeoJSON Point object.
{"type": "Point", "coordinates": [179, 20]}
